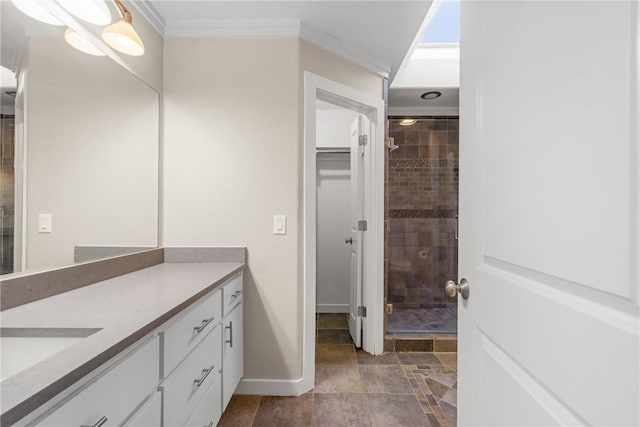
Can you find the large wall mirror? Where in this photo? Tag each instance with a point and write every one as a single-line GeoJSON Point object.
{"type": "Point", "coordinates": [79, 153]}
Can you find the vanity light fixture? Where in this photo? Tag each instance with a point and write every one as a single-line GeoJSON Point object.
{"type": "Point", "coordinates": [121, 36]}
{"type": "Point", "coordinates": [35, 10]}
{"type": "Point", "coordinates": [92, 11]}
{"type": "Point", "coordinates": [408, 122]}
{"type": "Point", "coordinates": [80, 43]}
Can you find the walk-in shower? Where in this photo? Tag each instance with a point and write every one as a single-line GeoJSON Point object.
{"type": "Point", "coordinates": [421, 210]}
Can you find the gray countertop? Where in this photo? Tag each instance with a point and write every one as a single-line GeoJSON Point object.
{"type": "Point", "coordinates": [125, 309]}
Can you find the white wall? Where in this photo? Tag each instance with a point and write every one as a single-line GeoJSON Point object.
{"type": "Point", "coordinates": [92, 153]}
{"type": "Point", "coordinates": [334, 225]}
{"type": "Point", "coordinates": [333, 126]}
{"type": "Point", "coordinates": [233, 159]}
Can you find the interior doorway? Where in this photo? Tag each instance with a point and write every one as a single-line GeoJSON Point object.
{"type": "Point", "coordinates": [372, 241]}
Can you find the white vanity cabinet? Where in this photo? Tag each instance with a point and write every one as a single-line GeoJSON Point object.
{"type": "Point", "coordinates": [233, 350]}
{"type": "Point", "coordinates": [110, 397]}
{"type": "Point", "coordinates": [182, 373]}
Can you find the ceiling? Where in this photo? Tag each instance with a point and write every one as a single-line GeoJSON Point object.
{"type": "Point", "coordinates": [375, 34]}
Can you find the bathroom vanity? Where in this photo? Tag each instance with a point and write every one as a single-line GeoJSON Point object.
{"type": "Point", "coordinates": [160, 346]}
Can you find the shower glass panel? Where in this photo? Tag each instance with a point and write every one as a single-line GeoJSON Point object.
{"type": "Point", "coordinates": [421, 217]}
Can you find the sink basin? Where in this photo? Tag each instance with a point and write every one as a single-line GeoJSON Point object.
{"type": "Point", "coordinates": [21, 348]}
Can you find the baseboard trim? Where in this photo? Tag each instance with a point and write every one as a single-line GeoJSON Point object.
{"type": "Point", "coordinates": [332, 308]}
{"type": "Point", "coordinates": [273, 387]}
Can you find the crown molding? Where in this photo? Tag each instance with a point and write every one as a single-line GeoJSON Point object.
{"type": "Point", "coordinates": [336, 46]}
{"type": "Point", "coordinates": [150, 13]}
{"type": "Point", "coordinates": [424, 111]}
{"type": "Point", "coordinates": [258, 28]}
{"type": "Point", "coordinates": [233, 28]}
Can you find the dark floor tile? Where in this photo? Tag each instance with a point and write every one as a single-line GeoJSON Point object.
{"type": "Point", "coordinates": [389, 344]}
{"type": "Point", "coordinates": [398, 410]}
{"type": "Point", "coordinates": [414, 345]}
{"type": "Point", "coordinates": [450, 398]}
{"type": "Point", "coordinates": [437, 388]}
{"type": "Point", "coordinates": [240, 412]}
{"type": "Point", "coordinates": [418, 359]}
{"type": "Point", "coordinates": [284, 411]}
{"type": "Point", "coordinates": [433, 421]}
{"type": "Point", "coordinates": [384, 379]}
{"type": "Point", "coordinates": [332, 321]}
{"type": "Point", "coordinates": [340, 409]}
{"type": "Point", "coordinates": [338, 379]}
{"type": "Point", "coordinates": [337, 354]}
{"type": "Point", "coordinates": [365, 358]}
{"type": "Point", "coordinates": [333, 336]}
{"type": "Point", "coordinates": [450, 413]}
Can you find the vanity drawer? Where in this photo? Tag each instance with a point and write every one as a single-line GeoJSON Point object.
{"type": "Point", "coordinates": [149, 414]}
{"type": "Point", "coordinates": [209, 409]}
{"type": "Point", "coordinates": [232, 294]}
{"type": "Point", "coordinates": [113, 395]}
{"type": "Point", "coordinates": [189, 382]}
{"type": "Point", "coordinates": [182, 335]}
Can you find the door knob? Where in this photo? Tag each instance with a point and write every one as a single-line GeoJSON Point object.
{"type": "Point", "coordinates": [348, 240]}
{"type": "Point", "coordinates": [452, 289]}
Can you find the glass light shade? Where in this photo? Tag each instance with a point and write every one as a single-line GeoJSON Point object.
{"type": "Point", "coordinates": [407, 122]}
{"type": "Point", "coordinates": [36, 10]}
{"type": "Point", "coordinates": [80, 43]}
{"type": "Point", "coordinates": [122, 37]}
{"type": "Point", "coordinates": [92, 11]}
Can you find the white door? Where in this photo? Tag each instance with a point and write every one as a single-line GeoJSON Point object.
{"type": "Point", "coordinates": [359, 151]}
{"type": "Point", "coordinates": [549, 215]}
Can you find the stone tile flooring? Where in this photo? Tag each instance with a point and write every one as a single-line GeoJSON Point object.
{"type": "Point", "coordinates": [354, 388]}
{"type": "Point", "coordinates": [412, 320]}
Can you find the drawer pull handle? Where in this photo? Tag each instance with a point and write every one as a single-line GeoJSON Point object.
{"type": "Point", "coordinates": [236, 294]}
{"type": "Point", "coordinates": [230, 340]}
{"type": "Point", "coordinates": [205, 322]}
{"type": "Point", "coordinates": [99, 423]}
{"type": "Point", "coordinates": [205, 374]}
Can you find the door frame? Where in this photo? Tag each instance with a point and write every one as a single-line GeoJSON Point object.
{"type": "Point", "coordinates": [320, 88]}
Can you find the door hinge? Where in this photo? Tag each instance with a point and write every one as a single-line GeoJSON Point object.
{"type": "Point", "coordinates": [362, 311]}
{"type": "Point", "coordinates": [363, 140]}
{"type": "Point", "coordinates": [362, 225]}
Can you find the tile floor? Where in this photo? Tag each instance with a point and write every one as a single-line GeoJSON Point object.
{"type": "Point", "coordinates": [354, 388]}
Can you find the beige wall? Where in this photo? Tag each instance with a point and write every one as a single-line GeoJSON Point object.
{"type": "Point", "coordinates": [92, 153]}
{"type": "Point", "coordinates": [230, 163]}
{"type": "Point", "coordinates": [232, 159]}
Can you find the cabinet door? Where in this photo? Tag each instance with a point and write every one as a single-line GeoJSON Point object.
{"type": "Point", "coordinates": [183, 334]}
{"type": "Point", "coordinates": [110, 398]}
{"type": "Point", "coordinates": [209, 411]}
{"type": "Point", "coordinates": [149, 414]}
{"type": "Point", "coordinates": [233, 362]}
{"type": "Point", "coordinates": [190, 381]}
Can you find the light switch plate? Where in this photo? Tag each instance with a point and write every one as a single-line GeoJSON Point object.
{"type": "Point", "coordinates": [44, 223]}
{"type": "Point", "coordinates": [279, 224]}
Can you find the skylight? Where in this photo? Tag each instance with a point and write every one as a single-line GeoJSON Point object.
{"type": "Point", "coordinates": [445, 25]}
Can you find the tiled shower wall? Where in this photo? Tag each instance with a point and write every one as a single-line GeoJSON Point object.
{"type": "Point", "coordinates": [421, 208]}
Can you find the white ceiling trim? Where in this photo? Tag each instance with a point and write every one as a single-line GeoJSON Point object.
{"type": "Point", "coordinates": [258, 28]}
{"type": "Point", "coordinates": [233, 28]}
{"type": "Point", "coordinates": [325, 41]}
{"type": "Point", "coordinates": [146, 9]}
{"type": "Point", "coordinates": [424, 111]}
